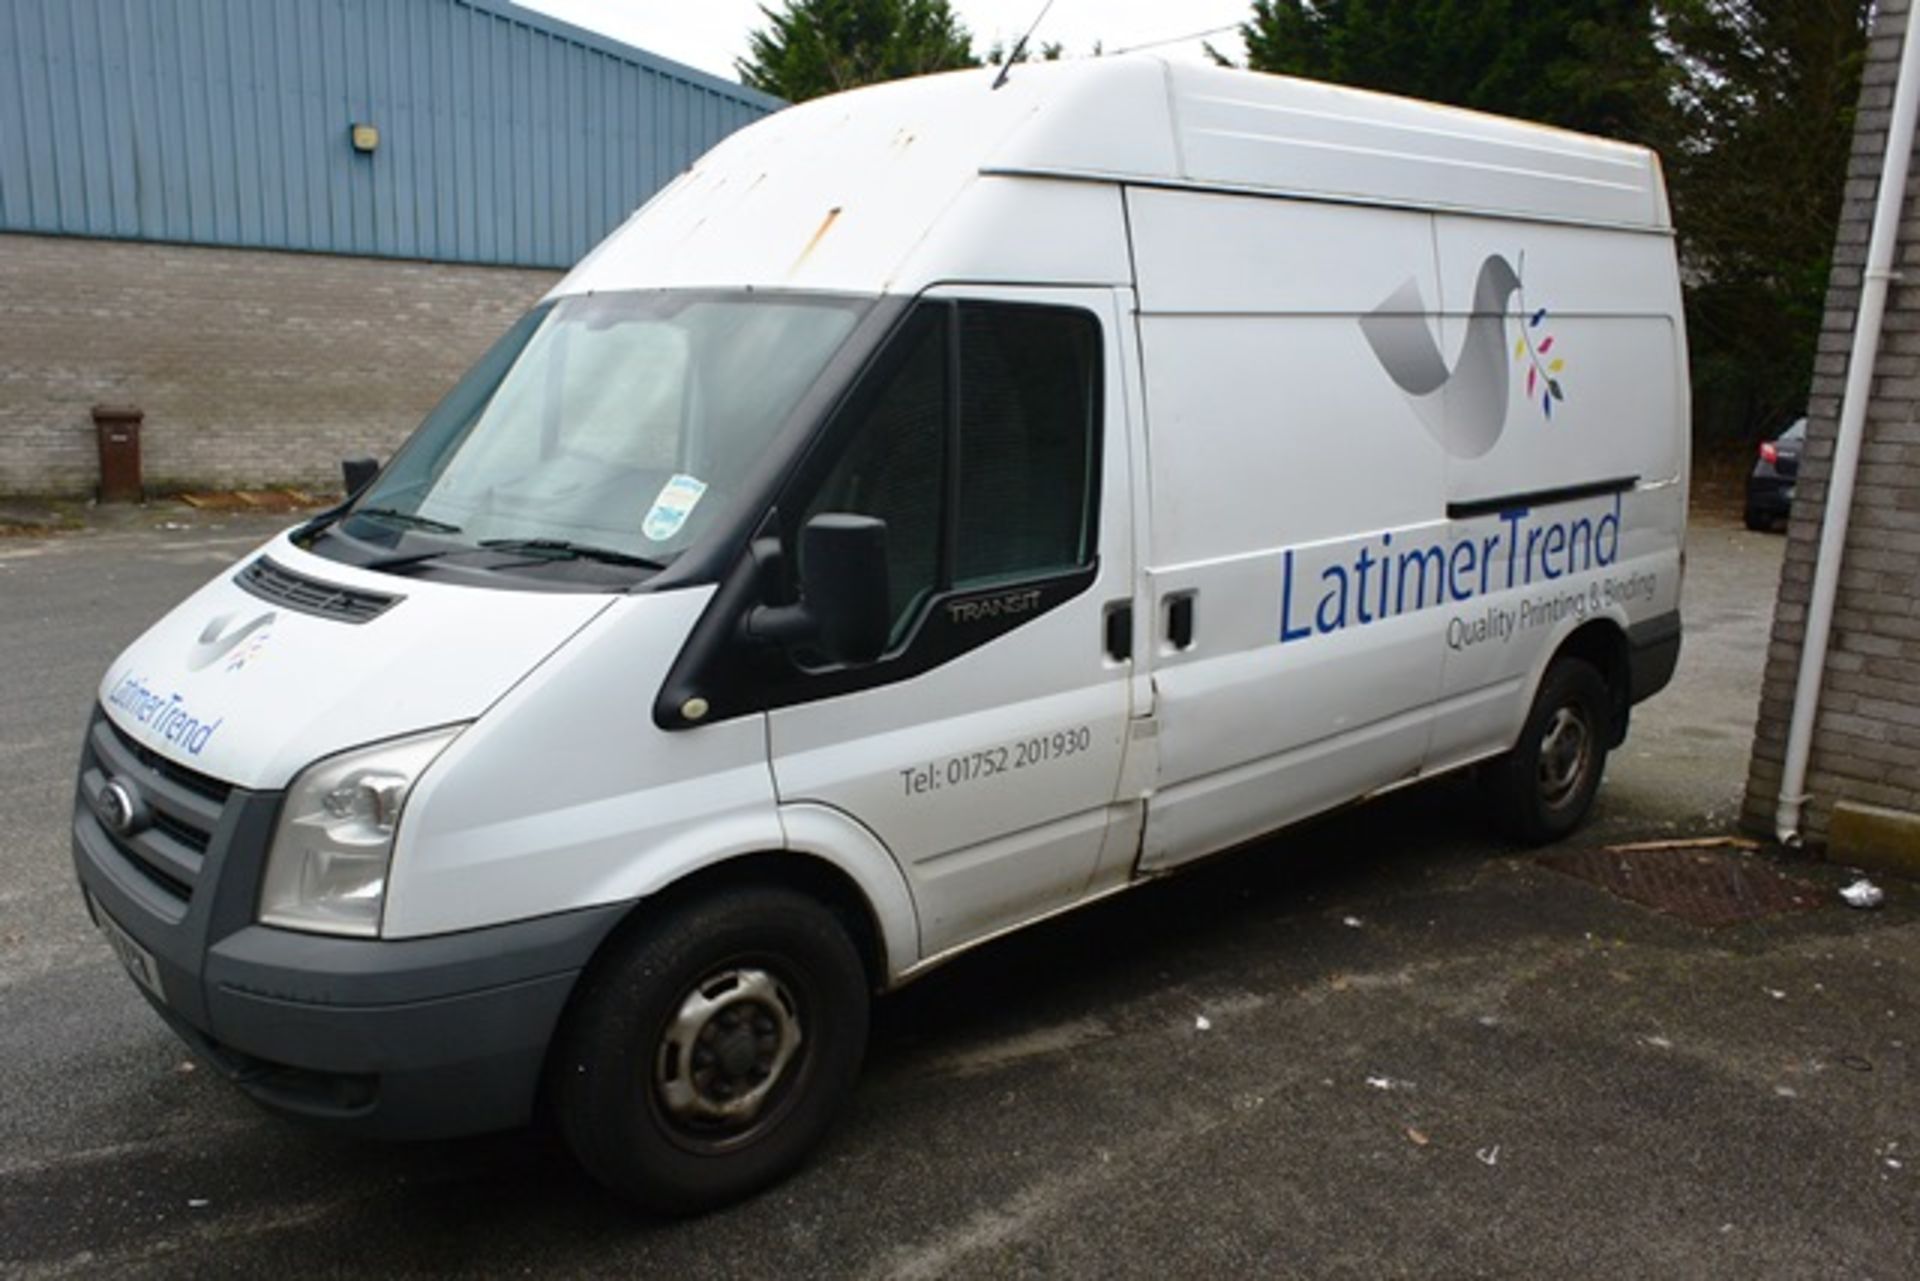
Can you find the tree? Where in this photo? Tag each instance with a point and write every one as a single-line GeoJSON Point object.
{"type": "Point", "coordinates": [1591, 65]}
{"type": "Point", "coordinates": [816, 47]}
{"type": "Point", "coordinates": [1768, 100]}
{"type": "Point", "coordinates": [1049, 51]}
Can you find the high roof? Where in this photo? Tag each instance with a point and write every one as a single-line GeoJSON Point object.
{"type": "Point", "coordinates": [848, 192]}
{"type": "Point", "coordinates": [1214, 126]}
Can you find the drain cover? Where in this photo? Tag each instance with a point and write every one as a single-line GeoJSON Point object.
{"type": "Point", "coordinates": [1701, 887]}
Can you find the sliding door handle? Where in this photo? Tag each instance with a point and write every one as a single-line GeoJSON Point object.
{"type": "Point", "coordinates": [1180, 620]}
{"type": "Point", "coordinates": [1119, 630]}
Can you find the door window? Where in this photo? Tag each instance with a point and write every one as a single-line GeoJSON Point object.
{"type": "Point", "coordinates": [1027, 380]}
{"type": "Point", "coordinates": [979, 449]}
{"type": "Point", "coordinates": [895, 465]}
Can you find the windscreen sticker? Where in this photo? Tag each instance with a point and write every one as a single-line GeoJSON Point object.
{"type": "Point", "coordinates": [670, 510]}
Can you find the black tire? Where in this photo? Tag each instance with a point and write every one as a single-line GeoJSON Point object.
{"type": "Point", "coordinates": [1758, 521]}
{"type": "Point", "coordinates": [1544, 787]}
{"type": "Point", "coordinates": [730, 978]}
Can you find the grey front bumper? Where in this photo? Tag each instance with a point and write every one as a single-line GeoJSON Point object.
{"type": "Point", "coordinates": [414, 1038]}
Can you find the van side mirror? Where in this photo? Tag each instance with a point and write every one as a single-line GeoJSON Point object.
{"type": "Point", "coordinates": [843, 606]}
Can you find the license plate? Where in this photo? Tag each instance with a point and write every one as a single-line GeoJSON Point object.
{"type": "Point", "coordinates": [137, 959]}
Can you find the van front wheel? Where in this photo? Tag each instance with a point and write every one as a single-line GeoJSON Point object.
{"type": "Point", "coordinates": [1543, 788]}
{"type": "Point", "coordinates": [710, 1048]}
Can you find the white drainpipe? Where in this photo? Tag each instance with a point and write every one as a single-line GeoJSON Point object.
{"type": "Point", "coordinates": [1853, 420]}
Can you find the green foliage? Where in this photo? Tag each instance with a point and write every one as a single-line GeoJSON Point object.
{"type": "Point", "coordinates": [1768, 103]}
{"type": "Point", "coordinates": [1049, 52]}
{"type": "Point", "coordinates": [816, 47]}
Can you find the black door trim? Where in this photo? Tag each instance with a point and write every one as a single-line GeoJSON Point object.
{"type": "Point", "coordinates": [1539, 497]}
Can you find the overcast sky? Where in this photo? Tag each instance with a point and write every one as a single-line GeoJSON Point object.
{"type": "Point", "coordinates": [711, 34]}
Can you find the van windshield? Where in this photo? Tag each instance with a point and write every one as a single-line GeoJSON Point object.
{"type": "Point", "coordinates": [621, 425]}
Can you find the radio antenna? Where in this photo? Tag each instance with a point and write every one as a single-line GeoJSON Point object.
{"type": "Point", "coordinates": [1021, 46]}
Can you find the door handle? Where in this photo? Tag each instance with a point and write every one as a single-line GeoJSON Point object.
{"type": "Point", "coordinates": [1119, 630]}
{"type": "Point", "coordinates": [1180, 620]}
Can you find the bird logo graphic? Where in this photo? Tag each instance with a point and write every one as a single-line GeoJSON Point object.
{"type": "Point", "coordinates": [1465, 408]}
{"type": "Point", "coordinates": [217, 641]}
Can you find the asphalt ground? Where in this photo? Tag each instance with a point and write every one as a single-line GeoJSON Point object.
{"type": "Point", "coordinates": [1380, 1044]}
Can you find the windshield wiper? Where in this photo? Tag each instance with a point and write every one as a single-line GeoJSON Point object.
{"type": "Point", "coordinates": [538, 550]}
{"type": "Point", "coordinates": [412, 520]}
{"type": "Point", "coordinates": [389, 563]}
{"type": "Point", "coordinates": [565, 549]}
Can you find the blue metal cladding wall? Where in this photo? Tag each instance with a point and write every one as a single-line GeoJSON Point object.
{"type": "Point", "coordinates": [505, 137]}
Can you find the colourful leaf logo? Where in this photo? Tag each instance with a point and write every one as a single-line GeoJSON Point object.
{"type": "Point", "coordinates": [1535, 348]}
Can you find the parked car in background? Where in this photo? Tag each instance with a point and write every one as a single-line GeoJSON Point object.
{"type": "Point", "coordinates": [1770, 485]}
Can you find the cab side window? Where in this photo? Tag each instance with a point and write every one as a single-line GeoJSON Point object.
{"type": "Point", "coordinates": [894, 466]}
{"type": "Point", "coordinates": [1027, 401]}
{"type": "Point", "coordinates": [979, 448]}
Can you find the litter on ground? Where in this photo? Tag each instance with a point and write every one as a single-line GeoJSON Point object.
{"type": "Point", "coordinates": [1692, 843]}
{"type": "Point", "coordinates": [1863, 893]}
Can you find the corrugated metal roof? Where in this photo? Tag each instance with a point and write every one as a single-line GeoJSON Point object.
{"type": "Point", "coordinates": [505, 136]}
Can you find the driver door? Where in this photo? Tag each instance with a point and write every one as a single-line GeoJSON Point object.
{"type": "Point", "coordinates": [984, 748]}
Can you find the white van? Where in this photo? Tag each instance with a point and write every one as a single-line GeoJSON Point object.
{"type": "Point", "coordinates": [942, 507]}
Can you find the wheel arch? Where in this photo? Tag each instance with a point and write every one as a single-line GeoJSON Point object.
{"type": "Point", "coordinates": [826, 853]}
{"type": "Point", "coordinates": [814, 877]}
{"type": "Point", "coordinates": [828, 856]}
{"type": "Point", "coordinates": [1602, 644]}
{"type": "Point", "coordinates": [618, 1079]}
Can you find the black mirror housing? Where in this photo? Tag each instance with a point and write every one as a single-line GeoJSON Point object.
{"type": "Point", "coordinates": [844, 600]}
{"type": "Point", "coordinates": [843, 560]}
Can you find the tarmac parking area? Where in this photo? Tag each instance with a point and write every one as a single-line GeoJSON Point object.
{"type": "Point", "coordinates": [1382, 1043]}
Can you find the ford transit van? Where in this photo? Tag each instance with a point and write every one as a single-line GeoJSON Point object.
{"type": "Point", "coordinates": [941, 507]}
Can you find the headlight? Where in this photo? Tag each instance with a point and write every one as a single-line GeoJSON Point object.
{"type": "Point", "coordinates": [327, 866]}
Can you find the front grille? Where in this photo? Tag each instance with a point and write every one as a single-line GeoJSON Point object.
{"type": "Point", "coordinates": [185, 809]}
{"type": "Point", "coordinates": [200, 784]}
{"type": "Point", "coordinates": [273, 582]}
{"type": "Point", "coordinates": [188, 835]}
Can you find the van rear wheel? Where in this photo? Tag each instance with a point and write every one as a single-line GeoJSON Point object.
{"type": "Point", "coordinates": [709, 1050]}
{"type": "Point", "coordinates": [1544, 787]}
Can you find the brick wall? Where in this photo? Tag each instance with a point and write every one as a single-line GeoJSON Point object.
{"type": "Point", "coordinates": [253, 367]}
{"type": "Point", "coordinates": [1866, 744]}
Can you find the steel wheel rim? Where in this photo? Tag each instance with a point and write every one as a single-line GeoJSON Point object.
{"type": "Point", "coordinates": [726, 1054]}
{"type": "Point", "coordinates": [1566, 750]}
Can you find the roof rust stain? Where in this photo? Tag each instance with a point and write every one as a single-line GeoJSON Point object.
{"type": "Point", "coordinates": [819, 234]}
